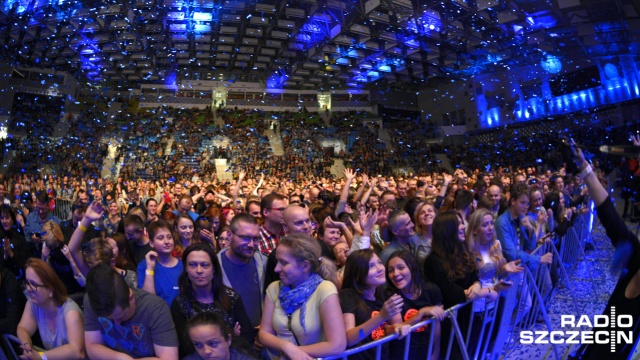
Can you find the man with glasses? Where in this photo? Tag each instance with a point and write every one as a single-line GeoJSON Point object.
{"type": "Point", "coordinates": [243, 268]}
{"type": "Point", "coordinates": [272, 208]}
{"type": "Point", "coordinates": [35, 220]}
{"type": "Point", "coordinates": [185, 204]}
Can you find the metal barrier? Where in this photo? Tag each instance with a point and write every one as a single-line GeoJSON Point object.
{"type": "Point", "coordinates": [476, 339]}
{"type": "Point", "coordinates": [572, 252]}
{"type": "Point", "coordinates": [527, 290]}
{"type": "Point", "coordinates": [62, 209]}
{"type": "Point", "coordinates": [11, 342]}
{"type": "Point", "coordinates": [380, 342]}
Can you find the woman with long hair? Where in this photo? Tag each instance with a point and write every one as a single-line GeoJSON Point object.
{"type": "Point", "coordinates": [113, 219]}
{"type": "Point", "coordinates": [184, 230]}
{"type": "Point", "coordinates": [216, 218]}
{"type": "Point", "coordinates": [158, 273]}
{"type": "Point", "coordinates": [56, 317]}
{"type": "Point", "coordinates": [421, 299]}
{"type": "Point", "coordinates": [301, 317]}
{"type": "Point", "coordinates": [368, 314]}
{"type": "Point", "coordinates": [57, 254]}
{"type": "Point", "coordinates": [492, 267]}
{"type": "Point", "coordinates": [423, 217]}
{"type": "Point", "coordinates": [452, 268]}
{"type": "Point", "coordinates": [202, 290]}
{"type": "Point", "coordinates": [123, 256]}
{"type": "Point", "coordinates": [15, 250]}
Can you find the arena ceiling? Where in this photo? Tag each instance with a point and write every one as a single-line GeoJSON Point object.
{"type": "Point", "coordinates": [314, 44]}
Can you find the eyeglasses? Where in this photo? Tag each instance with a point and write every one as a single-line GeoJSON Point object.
{"type": "Point", "coordinates": [255, 239]}
{"type": "Point", "coordinates": [31, 286]}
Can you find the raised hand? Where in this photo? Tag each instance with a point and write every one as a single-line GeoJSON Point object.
{"type": "Point", "coordinates": [367, 220]}
{"type": "Point", "coordinates": [150, 259]}
{"type": "Point", "coordinates": [391, 307]}
{"type": "Point", "coordinates": [365, 180]}
{"type": "Point", "coordinates": [447, 178]}
{"type": "Point", "coordinates": [94, 211]}
{"type": "Point", "coordinates": [349, 174]}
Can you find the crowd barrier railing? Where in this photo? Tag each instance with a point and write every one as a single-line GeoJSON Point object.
{"type": "Point", "coordinates": [62, 209]}
{"type": "Point", "coordinates": [380, 342]}
{"type": "Point", "coordinates": [474, 343]}
{"type": "Point", "coordinates": [526, 303]}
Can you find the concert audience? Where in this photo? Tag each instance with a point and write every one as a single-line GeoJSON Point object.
{"type": "Point", "coordinates": [223, 231]}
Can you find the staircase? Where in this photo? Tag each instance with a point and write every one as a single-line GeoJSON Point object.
{"type": "Point", "coordinates": [62, 127]}
{"type": "Point", "coordinates": [383, 134]}
{"type": "Point", "coordinates": [444, 161]}
{"type": "Point", "coordinates": [191, 161]}
{"type": "Point", "coordinates": [222, 171]}
{"type": "Point", "coordinates": [337, 168]}
{"type": "Point", "coordinates": [326, 116]}
{"type": "Point", "coordinates": [217, 120]}
{"type": "Point", "coordinates": [275, 141]}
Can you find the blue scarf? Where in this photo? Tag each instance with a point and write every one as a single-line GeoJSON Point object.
{"type": "Point", "coordinates": [292, 299]}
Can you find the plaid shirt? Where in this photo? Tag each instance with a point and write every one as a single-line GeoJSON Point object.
{"type": "Point", "coordinates": [269, 240]}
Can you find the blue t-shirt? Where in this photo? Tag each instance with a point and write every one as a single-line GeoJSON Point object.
{"type": "Point", "coordinates": [244, 280]}
{"type": "Point", "coordinates": [165, 279]}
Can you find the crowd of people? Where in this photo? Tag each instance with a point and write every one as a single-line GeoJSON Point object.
{"type": "Point", "coordinates": [262, 267]}
{"type": "Point", "coordinates": [283, 261]}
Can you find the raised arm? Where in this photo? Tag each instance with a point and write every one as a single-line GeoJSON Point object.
{"type": "Point", "coordinates": [349, 174]}
{"type": "Point", "coordinates": [93, 213]}
{"type": "Point", "coordinates": [255, 191]}
{"type": "Point", "coordinates": [598, 193]}
{"type": "Point", "coordinates": [372, 185]}
{"type": "Point", "coordinates": [361, 188]}
{"type": "Point", "coordinates": [236, 189]}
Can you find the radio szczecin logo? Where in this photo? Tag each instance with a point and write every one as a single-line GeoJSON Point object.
{"type": "Point", "coordinates": [605, 329]}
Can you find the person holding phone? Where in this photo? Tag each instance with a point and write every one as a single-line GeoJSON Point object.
{"type": "Point", "coordinates": [56, 254]}
{"type": "Point", "coordinates": [57, 318]}
{"type": "Point", "coordinates": [493, 268]}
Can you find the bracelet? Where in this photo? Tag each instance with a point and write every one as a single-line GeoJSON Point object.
{"type": "Point", "coordinates": [42, 355]}
{"type": "Point", "coordinates": [149, 272]}
{"type": "Point", "coordinates": [586, 171]}
{"type": "Point", "coordinates": [82, 228]}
